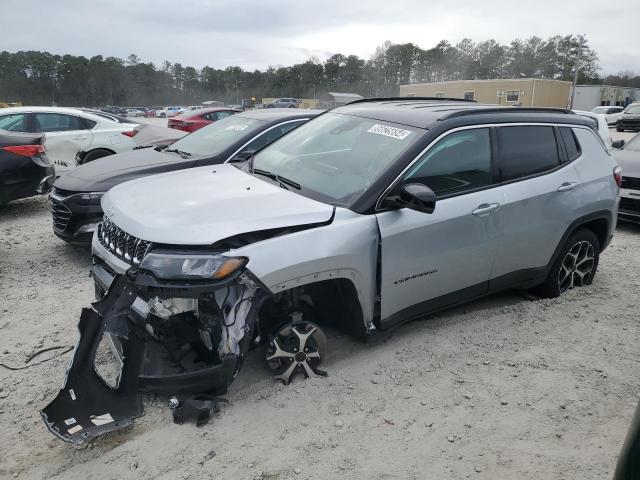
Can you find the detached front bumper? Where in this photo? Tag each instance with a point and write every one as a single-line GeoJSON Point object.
{"type": "Point", "coordinates": [181, 353]}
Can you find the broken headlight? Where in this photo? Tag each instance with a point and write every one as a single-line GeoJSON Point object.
{"type": "Point", "coordinates": [170, 266]}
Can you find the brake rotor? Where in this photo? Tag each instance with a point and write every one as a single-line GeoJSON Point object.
{"type": "Point", "coordinates": [297, 347]}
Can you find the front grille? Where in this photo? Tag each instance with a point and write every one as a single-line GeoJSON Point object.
{"type": "Point", "coordinates": [630, 183]}
{"type": "Point", "coordinates": [629, 205]}
{"type": "Point", "coordinates": [129, 248]}
{"type": "Point", "coordinates": [60, 214]}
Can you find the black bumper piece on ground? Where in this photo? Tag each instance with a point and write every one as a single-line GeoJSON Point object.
{"type": "Point", "coordinates": [86, 406]}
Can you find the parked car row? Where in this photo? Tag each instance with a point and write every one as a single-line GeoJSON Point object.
{"type": "Point", "coordinates": [268, 226]}
{"type": "Point", "coordinates": [623, 118]}
{"type": "Point", "coordinates": [75, 198]}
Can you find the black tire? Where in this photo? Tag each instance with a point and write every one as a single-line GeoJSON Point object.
{"type": "Point", "coordinates": [163, 115]}
{"type": "Point", "coordinates": [581, 241]}
{"type": "Point", "coordinates": [95, 154]}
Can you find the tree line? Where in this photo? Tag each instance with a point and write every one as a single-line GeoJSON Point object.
{"type": "Point", "coordinates": [41, 78]}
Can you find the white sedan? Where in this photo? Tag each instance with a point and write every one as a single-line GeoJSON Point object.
{"type": "Point", "coordinates": [72, 137]}
{"type": "Point", "coordinates": [168, 112]}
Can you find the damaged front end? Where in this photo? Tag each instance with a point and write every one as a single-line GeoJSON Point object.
{"type": "Point", "coordinates": [185, 336]}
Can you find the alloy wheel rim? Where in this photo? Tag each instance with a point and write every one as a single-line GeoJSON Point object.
{"type": "Point", "coordinates": [577, 266]}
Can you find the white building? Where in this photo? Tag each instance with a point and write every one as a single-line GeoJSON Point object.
{"type": "Point", "coordinates": [590, 96]}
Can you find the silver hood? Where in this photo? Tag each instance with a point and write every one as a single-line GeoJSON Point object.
{"type": "Point", "coordinates": [202, 205]}
{"type": "Point", "coordinates": [629, 160]}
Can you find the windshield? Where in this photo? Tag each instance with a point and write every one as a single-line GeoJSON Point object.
{"type": "Point", "coordinates": [335, 157]}
{"type": "Point", "coordinates": [217, 137]}
{"type": "Point", "coordinates": [633, 109]}
{"type": "Point", "coordinates": [633, 144]}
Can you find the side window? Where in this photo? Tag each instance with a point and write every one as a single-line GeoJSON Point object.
{"type": "Point", "coordinates": [526, 150]}
{"type": "Point", "coordinates": [221, 115]}
{"type": "Point", "coordinates": [459, 162]}
{"type": "Point", "coordinates": [56, 122]}
{"type": "Point", "coordinates": [88, 124]}
{"type": "Point", "coordinates": [15, 122]}
{"type": "Point", "coordinates": [271, 136]}
{"type": "Point", "coordinates": [570, 143]}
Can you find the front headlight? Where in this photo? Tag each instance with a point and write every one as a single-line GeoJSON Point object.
{"type": "Point", "coordinates": [91, 198]}
{"type": "Point", "coordinates": [170, 266]}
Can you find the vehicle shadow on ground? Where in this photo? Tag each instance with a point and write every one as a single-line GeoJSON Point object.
{"type": "Point", "coordinates": [628, 227]}
{"type": "Point", "coordinates": [24, 207]}
{"type": "Point", "coordinates": [255, 373]}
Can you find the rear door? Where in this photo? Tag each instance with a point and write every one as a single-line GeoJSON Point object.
{"type": "Point", "coordinates": [541, 194]}
{"type": "Point", "coordinates": [65, 136]}
{"type": "Point", "coordinates": [431, 260]}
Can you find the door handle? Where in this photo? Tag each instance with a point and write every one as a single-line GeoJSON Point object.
{"type": "Point", "coordinates": [485, 209]}
{"type": "Point", "coordinates": [567, 186]}
{"type": "Point", "coordinates": [80, 137]}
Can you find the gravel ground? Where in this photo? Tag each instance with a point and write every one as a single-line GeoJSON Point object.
{"type": "Point", "coordinates": [507, 387]}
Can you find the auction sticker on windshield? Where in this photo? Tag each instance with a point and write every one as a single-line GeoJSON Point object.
{"type": "Point", "coordinates": [387, 131]}
{"type": "Point", "coordinates": [237, 127]}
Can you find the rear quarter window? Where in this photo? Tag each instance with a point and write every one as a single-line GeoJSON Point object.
{"type": "Point", "coordinates": [526, 150]}
{"type": "Point", "coordinates": [570, 143]}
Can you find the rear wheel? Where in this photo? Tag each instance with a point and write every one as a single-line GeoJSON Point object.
{"type": "Point", "coordinates": [95, 154]}
{"type": "Point", "coordinates": [575, 266]}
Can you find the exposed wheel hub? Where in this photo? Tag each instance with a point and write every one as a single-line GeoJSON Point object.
{"type": "Point", "coordinates": [297, 348]}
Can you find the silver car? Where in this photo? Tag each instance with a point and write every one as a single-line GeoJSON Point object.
{"type": "Point", "coordinates": [368, 216]}
{"type": "Point", "coordinates": [628, 157]}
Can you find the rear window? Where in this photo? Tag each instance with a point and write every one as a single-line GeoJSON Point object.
{"type": "Point", "coordinates": [15, 122]}
{"type": "Point", "coordinates": [526, 150]}
{"type": "Point", "coordinates": [570, 143]}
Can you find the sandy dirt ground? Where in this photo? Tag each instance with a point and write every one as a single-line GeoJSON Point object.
{"type": "Point", "coordinates": [508, 387]}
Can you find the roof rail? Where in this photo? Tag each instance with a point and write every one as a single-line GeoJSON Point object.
{"type": "Point", "coordinates": [404, 99]}
{"type": "Point", "coordinates": [481, 111]}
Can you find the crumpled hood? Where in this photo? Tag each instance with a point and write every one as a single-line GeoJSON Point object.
{"type": "Point", "coordinates": [104, 173]}
{"type": "Point", "coordinates": [202, 205]}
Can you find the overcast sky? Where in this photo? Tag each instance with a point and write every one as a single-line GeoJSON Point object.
{"type": "Point", "coordinates": [258, 33]}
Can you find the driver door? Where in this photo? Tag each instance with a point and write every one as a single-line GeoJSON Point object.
{"type": "Point", "coordinates": [429, 261]}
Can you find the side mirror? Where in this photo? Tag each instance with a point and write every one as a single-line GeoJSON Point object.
{"type": "Point", "coordinates": [618, 144]}
{"type": "Point", "coordinates": [416, 196]}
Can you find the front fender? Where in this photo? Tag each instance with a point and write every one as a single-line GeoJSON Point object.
{"type": "Point", "coordinates": [347, 248]}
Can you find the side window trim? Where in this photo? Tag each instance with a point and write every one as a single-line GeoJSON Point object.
{"type": "Point", "coordinates": [301, 120]}
{"type": "Point", "coordinates": [495, 155]}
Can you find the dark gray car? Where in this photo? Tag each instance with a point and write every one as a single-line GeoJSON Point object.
{"type": "Point", "coordinates": [75, 198]}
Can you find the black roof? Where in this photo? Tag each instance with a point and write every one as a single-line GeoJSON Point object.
{"type": "Point", "coordinates": [423, 112]}
{"type": "Point", "coordinates": [275, 114]}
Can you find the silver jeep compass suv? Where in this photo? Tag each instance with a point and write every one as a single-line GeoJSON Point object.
{"type": "Point", "coordinates": [370, 215]}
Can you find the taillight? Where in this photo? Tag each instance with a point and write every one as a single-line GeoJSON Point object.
{"type": "Point", "coordinates": [25, 150]}
{"type": "Point", "coordinates": [617, 175]}
{"type": "Point", "coordinates": [132, 133]}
